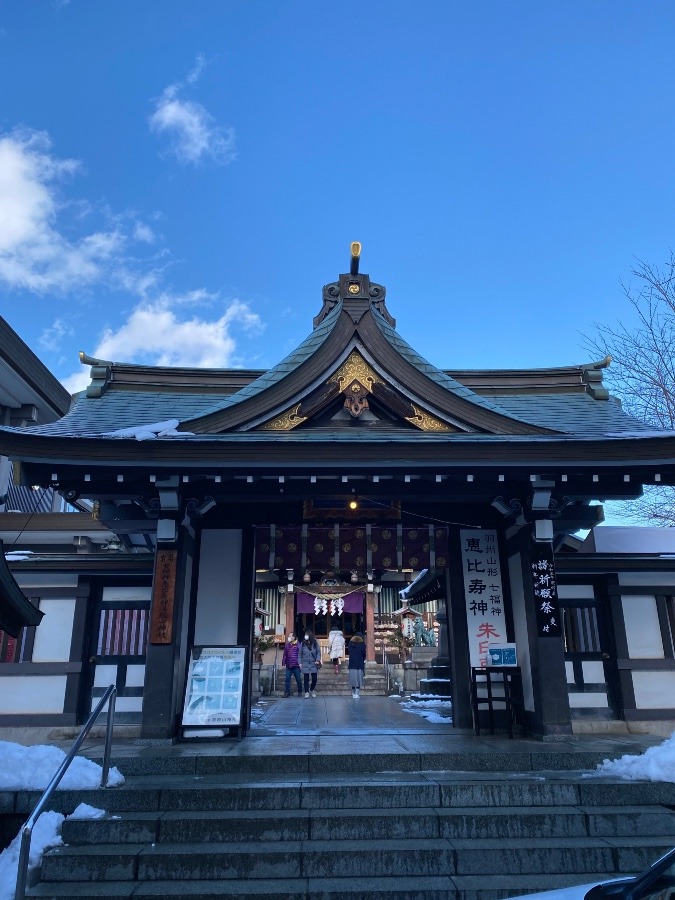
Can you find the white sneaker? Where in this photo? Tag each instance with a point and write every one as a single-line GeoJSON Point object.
{"type": "Point", "coordinates": [306, 695]}
{"type": "Point", "coordinates": [313, 693]}
{"type": "Point", "coordinates": [357, 695]}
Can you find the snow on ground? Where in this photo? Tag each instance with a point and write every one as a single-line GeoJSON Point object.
{"type": "Point", "coordinates": [428, 709]}
{"type": "Point", "coordinates": [32, 768]}
{"type": "Point", "coordinates": [655, 764]}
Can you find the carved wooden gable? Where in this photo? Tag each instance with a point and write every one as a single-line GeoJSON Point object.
{"type": "Point", "coordinates": [361, 391]}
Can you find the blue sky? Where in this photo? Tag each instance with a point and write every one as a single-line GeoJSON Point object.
{"type": "Point", "coordinates": [178, 180]}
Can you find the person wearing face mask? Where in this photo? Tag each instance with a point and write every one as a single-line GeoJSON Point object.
{"type": "Point", "coordinates": [310, 661]}
{"type": "Point", "coordinates": [290, 659]}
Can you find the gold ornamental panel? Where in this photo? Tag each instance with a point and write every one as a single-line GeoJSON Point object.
{"type": "Point", "coordinates": [426, 422]}
{"type": "Point", "coordinates": [286, 421]}
{"type": "Point", "coordinates": [355, 368]}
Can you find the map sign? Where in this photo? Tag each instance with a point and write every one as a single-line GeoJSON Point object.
{"type": "Point", "coordinates": [215, 681]}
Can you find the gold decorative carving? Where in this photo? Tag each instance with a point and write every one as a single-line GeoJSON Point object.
{"type": "Point", "coordinates": [426, 422]}
{"type": "Point", "coordinates": [355, 368]}
{"type": "Point", "coordinates": [286, 421]}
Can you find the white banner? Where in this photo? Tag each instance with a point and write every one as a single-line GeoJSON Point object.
{"type": "Point", "coordinates": [483, 592]}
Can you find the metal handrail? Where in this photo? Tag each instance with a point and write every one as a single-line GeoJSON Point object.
{"type": "Point", "coordinates": [27, 829]}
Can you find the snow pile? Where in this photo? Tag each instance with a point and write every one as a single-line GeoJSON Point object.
{"type": "Point", "coordinates": [18, 555]}
{"type": "Point", "coordinates": [428, 710]}
{"type": "Point", "coordinates": [151, 431]}
{"type": "Point", "coordinates": [655, 764]}
{"type": "Point", "coordinates": [46, 834]}
{"type": "Point", "coordinates": [32, 768]}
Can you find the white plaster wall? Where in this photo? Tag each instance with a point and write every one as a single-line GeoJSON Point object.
{"type": "Point", "coordinates": [654, 690]}
{"type": "Point", "coordinates": [135, 676]}
{"type": "Point", "coordinates": [32, 694]}
{"type": "Point", "coordinates": [520, 629]}
{"type": "Point", "coordinates": [575, 591]}
{"type": "Point", "coordinates": [54, 635]}
{"type": "Point", "coordinates": [593, 671]}
{"type": "Point", "coordinates": [124, 593]}
{"type": "Point", "coordinates": [649, 579]}
{"type": "Point", "coordinates": [217, 612]}
{"type": "Point", "coordinates": [586, 701]}
{"type": "Point", "coordinates": [44, 579]}
{"type": "Point", "coordinates": [105, 675]}
{"type": "Point", "coordinates": [125, 704]}
{"type": "Point", "coordinates": [643, 632]}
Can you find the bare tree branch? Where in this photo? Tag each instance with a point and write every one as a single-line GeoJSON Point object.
{"type": "Point", "coordinates": [642, 373]}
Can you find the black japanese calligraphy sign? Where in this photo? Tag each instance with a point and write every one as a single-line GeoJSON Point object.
{"type": "Point", "coordinates": [545, 590]}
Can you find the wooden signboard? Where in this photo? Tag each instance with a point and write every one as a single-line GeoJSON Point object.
{"type": "Point", "coordinates": [163, 596]}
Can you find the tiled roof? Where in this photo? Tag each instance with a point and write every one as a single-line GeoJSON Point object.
{"type": "Point", "coordinates": [116, 409]}
{"type": "Point", "coordinates": [438, 375]}
{"type": "Point", "coordinates": [301, 353]}
{"type": "Point", "coordinates": [573, 413]}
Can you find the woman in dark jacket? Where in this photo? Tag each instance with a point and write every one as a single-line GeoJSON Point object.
{"type": "Point", "coordinates": [310, 661]}
{"type": "Point", "coordinates": [357, 664]}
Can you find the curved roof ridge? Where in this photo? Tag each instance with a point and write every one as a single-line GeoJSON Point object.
{"type": "Point", "coordinates": [294, 359]}
{"type": "Point", "coordinates": [534, 370]}
{"type": "Point", "coordinates": [438, 375]}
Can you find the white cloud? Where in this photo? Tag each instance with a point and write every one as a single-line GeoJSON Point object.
{"type": "Point", "coordinates": [197, 69]}
{"type": "Point", "coordinates": [52, 337]}
{"type": "Point", "coordinates": [154, 334]}
{"type": "Point", "coordinates": [34, 254]}
{"type": "Point", "coordinates": [143, 232]}
{"type": "Point", "coordinates": [191, 129]}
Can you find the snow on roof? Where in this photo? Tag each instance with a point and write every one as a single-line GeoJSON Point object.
{"type": "Point", "coordinates": [150, 431]}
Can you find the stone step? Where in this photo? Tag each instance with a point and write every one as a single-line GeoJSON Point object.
{"type": "Point", "coordinates": [220, 761]}
{"type": "Point", "coordinates": [347, 859]}
{"type": "Point", "coordinates": [283, 791]}
{"type": "Point", "coordinates": [416, 887]}
{"type": "Point", "coordinates": [305, 824]}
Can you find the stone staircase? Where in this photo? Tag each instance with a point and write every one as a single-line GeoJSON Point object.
{"type": "Point", "coordinates": [329, 684]}
{"type": "Point", "coordinates": [213, 825]}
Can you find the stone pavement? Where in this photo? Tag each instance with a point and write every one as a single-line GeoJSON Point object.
{"type": "Point", "coordinates": [373, 732]}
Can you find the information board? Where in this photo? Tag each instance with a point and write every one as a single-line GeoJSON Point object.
{"type": "Point", "coordinates": [215, 681]}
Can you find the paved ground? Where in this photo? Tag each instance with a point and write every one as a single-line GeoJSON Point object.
{"type": "Point", "coordinates": [368, 726]}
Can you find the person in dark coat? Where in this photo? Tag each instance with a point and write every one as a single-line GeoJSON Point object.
{"type": "Point", "coordinates": [310, 661]}
{"type": "Point", "coordinates": [291, 660]}
{"type": "Point", "coordinates": [356, 650]}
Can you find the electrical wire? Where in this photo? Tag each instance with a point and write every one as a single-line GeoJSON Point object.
{"type": "Point", "coordinates": [27, 522]}
{"type": "Point", "coordinates": [417, 515]}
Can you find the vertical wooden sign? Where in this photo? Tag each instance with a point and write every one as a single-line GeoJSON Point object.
{"type": "Point", "coordinates": [549, 620]}
{"type": "Point", "coordinates": [163, 595]}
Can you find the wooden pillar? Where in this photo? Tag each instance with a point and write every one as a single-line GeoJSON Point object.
{"type": "Point", "coordinates": [457, 637]}
{"type": "Point", "coordinates": [163, 689]}
{"type": "Point", "coordinates": [290, 613]}
{"type": "Point", "coordinates": [370, 626]}
{"type": "Point", "coordinates": [541, 653]}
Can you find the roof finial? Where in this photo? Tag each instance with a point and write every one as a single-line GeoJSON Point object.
{"type": "Point", "coordinates": [356, 253]}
